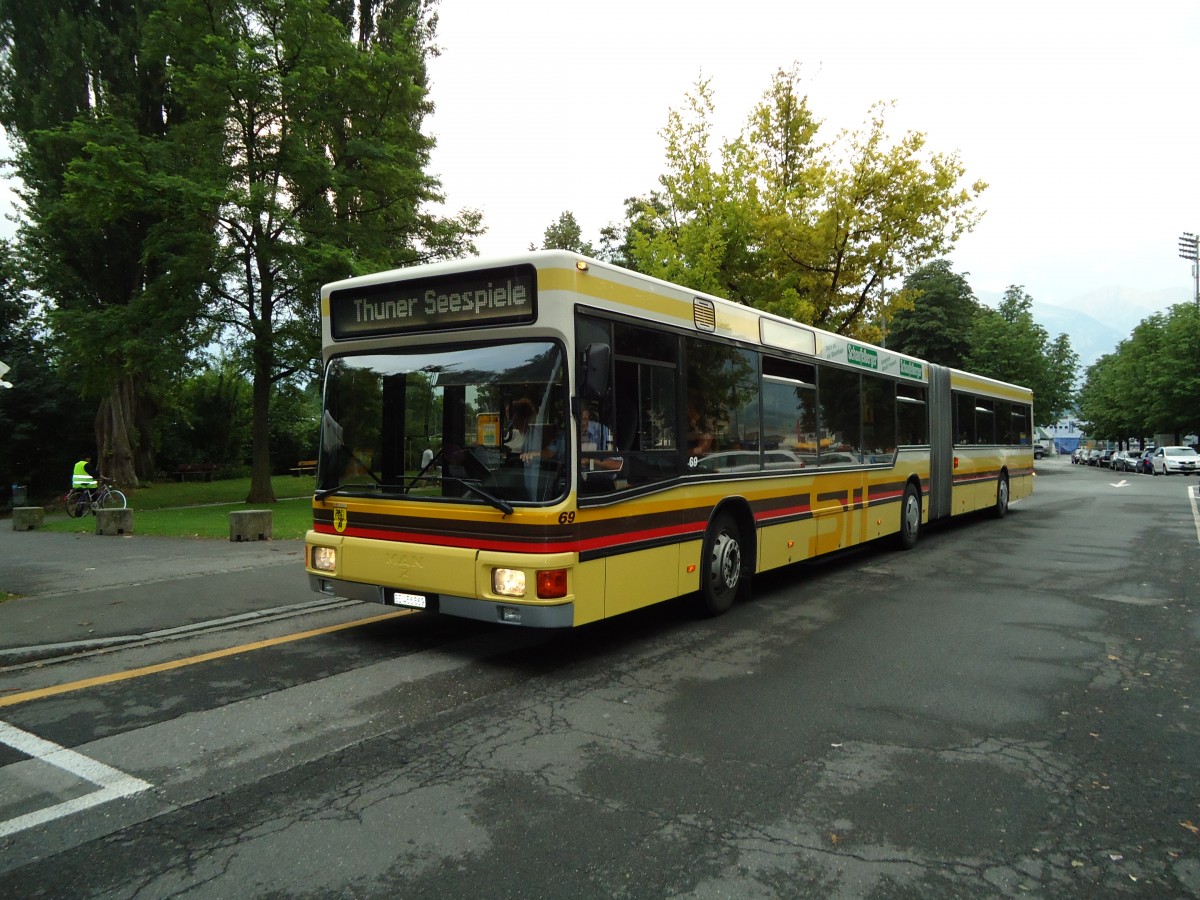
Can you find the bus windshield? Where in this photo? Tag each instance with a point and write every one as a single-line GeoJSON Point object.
{"type": "Point", "coordinates": [473, 424]}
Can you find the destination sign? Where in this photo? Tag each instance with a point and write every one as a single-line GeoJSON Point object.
{"type": "Point", "coordinates": [463, 300]}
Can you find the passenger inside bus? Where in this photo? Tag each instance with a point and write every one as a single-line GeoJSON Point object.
{"type": "Point", "coordinates": [521, 416]}
{"type": "Point", "coordinates": [599, 466]}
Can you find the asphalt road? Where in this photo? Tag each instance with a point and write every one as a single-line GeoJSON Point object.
{"type": "Point", "coordinates": [1005, 711]}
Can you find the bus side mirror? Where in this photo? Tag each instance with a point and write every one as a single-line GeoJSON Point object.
{"type": "Point", "coordinates": [594, 371]}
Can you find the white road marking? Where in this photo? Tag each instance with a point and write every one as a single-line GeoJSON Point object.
{"type": "Point", "coordinates": [112, 783]}
{"type": "Point", "coordinates": [1193, 496]}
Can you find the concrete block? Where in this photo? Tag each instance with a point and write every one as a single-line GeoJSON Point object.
{"type": "Point", "coordinates": [114, 521]}
{"type": "Point", "coordinates": [27, 518]}
{"type": "Point", "coordinates": [250, 525]}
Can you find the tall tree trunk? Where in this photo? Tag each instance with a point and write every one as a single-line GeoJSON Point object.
{"type": "Point", "coordinates": [116, 434]}
{"type": "Point", "coordinates": [260, 430]}
{"type": "Point", "coordinates": [145, 414]}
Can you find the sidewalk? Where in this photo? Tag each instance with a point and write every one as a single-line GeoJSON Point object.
{"type": "Point", "coordinates": [80, 588]}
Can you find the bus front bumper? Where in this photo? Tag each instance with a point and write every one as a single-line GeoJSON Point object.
{"type": "Point", "coordinates": [560, 615]}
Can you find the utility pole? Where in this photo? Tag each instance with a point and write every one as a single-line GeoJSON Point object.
{"type": "Point", "coordinates": [1189, 248]}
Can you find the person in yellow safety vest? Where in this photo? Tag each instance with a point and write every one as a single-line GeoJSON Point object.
{"type": "Point", "coordinates": [81, 478]}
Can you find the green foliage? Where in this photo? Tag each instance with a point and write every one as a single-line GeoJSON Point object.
{"type": "Point", "coordinates": [208, 420]}
{"type": "Point", "coordinates": [781, 221]}
{"type": "Point", "coordinates": [45, 425]}
{"type": "Point", "coordinates": [1149, 384]}
{"type": "Point", "coordinates": [936, 326]}
{"type": "Point", "coordinates": [323, 167]}
{"type": "Point", "coordinates": [295, 424]}
{"type": "Point", "coordinates": [565, 234]}
{"type": "Point", "coordinates": [1009, 345]}
{"type": "Point", "coordinates": [116, 236]}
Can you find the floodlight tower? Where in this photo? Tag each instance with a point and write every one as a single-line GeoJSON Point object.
{"type": "Point", "coordinates": [1189, 248]}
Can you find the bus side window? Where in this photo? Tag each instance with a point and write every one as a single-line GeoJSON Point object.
{"type": "Point", "coordinates": [722, 391]}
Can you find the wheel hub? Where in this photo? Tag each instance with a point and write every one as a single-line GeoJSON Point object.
{"type": "Point", "coordinates": [727, 561]}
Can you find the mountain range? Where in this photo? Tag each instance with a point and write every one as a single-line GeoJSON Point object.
{"type": "Point", "coordinates": [1098, 320]}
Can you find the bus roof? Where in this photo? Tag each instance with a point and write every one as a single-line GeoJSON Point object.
{"type": "Point", "coordinates": [653, 298]}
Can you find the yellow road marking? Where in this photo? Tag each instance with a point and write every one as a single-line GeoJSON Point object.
{"type": "Point", "coordinates": [25, 697]}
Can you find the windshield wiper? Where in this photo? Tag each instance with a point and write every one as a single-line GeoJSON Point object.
{"type": "Point", "coordinates": [503, 505]}
{"type": "Point", "coordinates": [325, 492]}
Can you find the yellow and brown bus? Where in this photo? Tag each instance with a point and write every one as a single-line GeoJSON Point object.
{"type": "Point", "coordinates": [548, 440]}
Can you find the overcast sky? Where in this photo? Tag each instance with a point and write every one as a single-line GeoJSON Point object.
{"type": "Point", "coordinates": [1081, 116]}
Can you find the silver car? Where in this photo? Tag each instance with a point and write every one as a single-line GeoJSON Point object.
{"type": "Point", "coordinates": [1175, 461]}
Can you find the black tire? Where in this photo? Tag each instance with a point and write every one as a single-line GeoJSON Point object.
{"type": "Point", "coordinates": [724, 575]}
{"type": "Point", "coordinates": [910, 519]}
{"type": "Point", "coordinates": [1000, 510]}
{"type": "Point", "coordinates": [73, 505]}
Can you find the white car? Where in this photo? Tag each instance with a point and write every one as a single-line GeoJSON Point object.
{"type": "Point", "coordinates": [1175, 461]}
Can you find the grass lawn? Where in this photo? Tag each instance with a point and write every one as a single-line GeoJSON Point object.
{"type": "Point", "coordinates": [201, 509]}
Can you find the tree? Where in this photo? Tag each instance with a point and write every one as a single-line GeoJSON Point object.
{"type": "Point", "coordinates": [1148, 385]}
{"type": "Point", "coordinates": [936, 327]}
{"type": "Point", "coordinates": [321, 104]}
{"type": "Point", "coordinates": [45, 425]}
{"type": "Point", "coordinates": [208, 418]}
{"type": "Point", "coordinates": [1104, 404]}
{"type": "Point", "coordinates": [1175, 379]}
{"type": "Point", "coordinates": [115, 237]}
{"type": "Point", "coordinates": [776, 219]}
{"type": "Point", "coordinates": [1009, 345]}
{"type": "Point", "coordinates": [565, 234]}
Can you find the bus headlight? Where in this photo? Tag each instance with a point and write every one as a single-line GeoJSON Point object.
{"type": "Point", "coordinates": [324, 559]}
{"type": "Point", "coordinates": [508, 582]}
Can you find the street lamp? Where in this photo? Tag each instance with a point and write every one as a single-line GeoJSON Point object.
{"type": "Point", "coordinates": [1189, 248]}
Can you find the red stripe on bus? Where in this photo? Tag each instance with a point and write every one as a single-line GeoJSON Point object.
{"type": "Point", "coordinates": [599, 543]}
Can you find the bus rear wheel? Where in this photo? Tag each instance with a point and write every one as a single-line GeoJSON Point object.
{"type": "Point", "coordinates": [910, 519]}
{"type": "Point", "coordinates": [1001, 507]}
{"type": "Point", "coordinates": [722, 575]}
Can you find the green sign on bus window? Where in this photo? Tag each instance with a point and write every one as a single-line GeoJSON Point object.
{"type": "Point", "coordinates": [863, 356]}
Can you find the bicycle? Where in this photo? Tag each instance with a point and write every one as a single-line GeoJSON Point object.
{"type": "Point", "coordinates": [81, 501]}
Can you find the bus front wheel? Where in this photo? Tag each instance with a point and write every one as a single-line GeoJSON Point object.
{"type": "Point", "coordinates": [722, 577]}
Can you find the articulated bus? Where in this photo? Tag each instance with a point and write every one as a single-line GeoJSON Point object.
{"type": "Point", "coordinates": [547, 440]}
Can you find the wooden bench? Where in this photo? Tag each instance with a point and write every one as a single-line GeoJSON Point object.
{"type": "Point", "coordinates": [304, 467]}
{"type": "Point", "coordinates": [204, 471]}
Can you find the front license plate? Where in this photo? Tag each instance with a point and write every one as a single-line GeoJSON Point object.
{"type": "Point", "coordinates": [414, 601]}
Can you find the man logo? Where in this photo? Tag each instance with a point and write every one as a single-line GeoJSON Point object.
{"type": "Point", "coordinates": [339, 519]}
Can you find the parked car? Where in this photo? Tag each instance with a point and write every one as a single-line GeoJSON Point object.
{"type": "Point", "coordinates": [1175, 461]}
{"type": "Point", "coordinates": [1145, 463]}
{"type": "Point", "coordinates": [1038, 451]}
{"type": "Point", "coordinates": [1093, 457]}
{"type": "Point", "coordinates": [1079, 456]}
{"type": "Point", "coordinates": [1121, 461]}
{"type": "Point", "coordinates": [1105, 456]}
